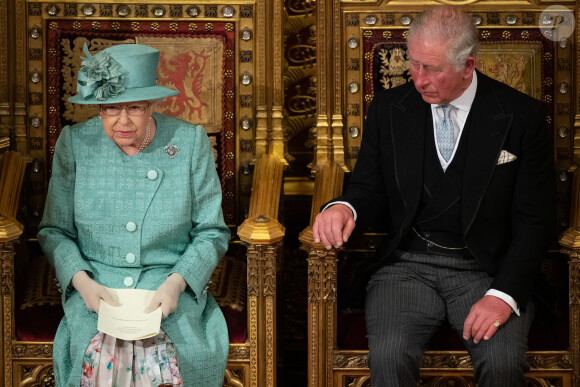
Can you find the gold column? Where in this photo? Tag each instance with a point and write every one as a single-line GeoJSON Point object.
{"type": "Point", "coordinates": [570, 239]}
{"type": "Point", "coordinates": [322, 283]}
{"type": "Point", "coordinates": [323, 79]}
{"type": "Point", "coordinates": [263, 234]}
{"type": "Point", "coordinates": [7, 292]}
{"type": "Point", "coordinates": [261, 90]}
{"type": "Point", "coordinates": [321, 310]}
{"type": "Point", "coordinates": [270, 89]}
{"type": "Point", "coordinates": [5, 84]}
{"type": "Point", "coordinates": [277, 146]}
{"type": "Point", "coordinates": [329, 125]}
{"type": "Point", "coordinates": [570, 242]}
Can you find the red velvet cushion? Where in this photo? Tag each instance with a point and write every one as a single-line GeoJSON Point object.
{"type": "Point", "coordinates": [228, 286]}
{"type": "Point", "coordinates": [38, 309]}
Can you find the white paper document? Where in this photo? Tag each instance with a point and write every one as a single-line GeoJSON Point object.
{"type": "Point", "coordinates": [129, 320]}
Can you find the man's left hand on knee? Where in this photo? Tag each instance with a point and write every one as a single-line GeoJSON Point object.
{"type": "Point", "coordinates": [485, 318]}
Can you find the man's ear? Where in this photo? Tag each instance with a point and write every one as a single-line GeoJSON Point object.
{"type": "Point", "coordinates": [469, 67]}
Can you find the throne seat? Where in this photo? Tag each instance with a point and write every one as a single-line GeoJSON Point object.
{"type": "Point", "coordinates": [38, 309]}
{"type": "Point", "coordinates": [214, 55]}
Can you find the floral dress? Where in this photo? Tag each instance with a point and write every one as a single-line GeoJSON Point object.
{"type": "Point", "coordinates": [113, 362]}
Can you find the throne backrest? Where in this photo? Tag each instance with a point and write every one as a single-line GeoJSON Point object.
{"type": "Point", "coordinates": [361, 49]}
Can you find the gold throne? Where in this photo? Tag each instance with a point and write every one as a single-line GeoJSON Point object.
{"type": "Point", "coordinates": [361, 49]}
{"type": "Point", "coordinates": [224, 59]}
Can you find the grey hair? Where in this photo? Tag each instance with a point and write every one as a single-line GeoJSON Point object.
{"type": "Point", "coordinates": [451, 26]}
{"type": "Point", "coordinates": [155, 102]}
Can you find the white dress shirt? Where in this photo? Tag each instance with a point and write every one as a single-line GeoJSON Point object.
{"type": "Point", "coordinates": [459, 112]}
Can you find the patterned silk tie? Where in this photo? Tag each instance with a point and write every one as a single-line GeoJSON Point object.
{"type": "Point", "coordinates": [445, 133]}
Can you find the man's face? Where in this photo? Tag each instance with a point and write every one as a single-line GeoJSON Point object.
{"type": "Point", "coordinates": [434, 77]}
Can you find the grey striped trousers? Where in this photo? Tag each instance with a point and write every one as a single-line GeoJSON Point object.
{"type": "Point", "coordinates": [407, 301]}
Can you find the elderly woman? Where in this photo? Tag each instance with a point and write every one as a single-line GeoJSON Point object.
{"type": "Point", "coordinates": [134, 202]}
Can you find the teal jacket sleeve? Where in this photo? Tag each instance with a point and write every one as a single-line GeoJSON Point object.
{"type": "Point", "coordinates": [209, 235]}
{"type": "Point", "coordinates": [57, 232]}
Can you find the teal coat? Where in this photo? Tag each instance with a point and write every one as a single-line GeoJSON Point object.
{"type": "Point", "coordinates": [131, 221]}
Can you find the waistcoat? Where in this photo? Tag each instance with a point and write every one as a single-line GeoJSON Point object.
{"type": "Point", "coordinates": [438, 218]}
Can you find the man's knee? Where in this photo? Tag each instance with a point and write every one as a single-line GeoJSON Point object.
{"type": "Point", "coordinates": [394, 362]}
{"type": "Point", "coordinates": [395, 351]}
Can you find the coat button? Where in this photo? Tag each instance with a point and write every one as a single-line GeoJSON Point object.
{"type": "Point", "coordinates": [128, 281]}
{"type": "Point", "coordinates": [430, 244]}
{"type": "Point", "coordinates": [152, 174]}
{"type": "Point", "coordinates": [130, 258]}
{"type": "Point", "coordinates": [131, 226]}
{"type": "Point", "coordinates": [427, 234]}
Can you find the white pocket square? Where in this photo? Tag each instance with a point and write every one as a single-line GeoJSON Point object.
{"type": "Point", "coordinates": [505, 157]}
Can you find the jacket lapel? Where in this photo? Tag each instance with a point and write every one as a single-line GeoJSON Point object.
{"type": "Point", "coordinates": [489, 128]}
{"type": "Point", "coordinates": [408, 122]}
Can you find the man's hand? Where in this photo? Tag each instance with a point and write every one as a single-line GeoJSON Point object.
{"type": "Point", "coordinates": [167, 295]}
{"type": "Point", "coordinates": [485, 318]}
{"type": "Point", "coordinates": [333, 226]}
{"type": "Point", "coordinates": [91, 291]}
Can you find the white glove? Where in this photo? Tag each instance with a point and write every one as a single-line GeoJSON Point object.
{"type": "Point", "coordinates": [91, 291]}
{"type": "Point", "coordinates": [167, 295]}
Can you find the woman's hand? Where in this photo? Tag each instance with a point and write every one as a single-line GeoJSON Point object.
{"type": "Point", "coordinates": [91, 291]}
{"type": "Point", "coordinates": [167, 295]}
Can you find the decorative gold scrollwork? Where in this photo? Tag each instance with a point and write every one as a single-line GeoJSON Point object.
{"type": "Point", "coordinates": [234, 378]}
{"type": "Point", "coordinates": [321, 275]}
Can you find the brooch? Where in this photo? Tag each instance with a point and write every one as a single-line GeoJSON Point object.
{"type": "Point", "coordinates": [171, 150]}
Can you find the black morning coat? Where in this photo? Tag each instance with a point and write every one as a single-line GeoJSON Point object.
{"type": "Point", "coordinates": [507, 210]}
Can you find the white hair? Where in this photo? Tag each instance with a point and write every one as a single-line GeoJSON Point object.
{"type": "Point", "coordinates": [451, 26]}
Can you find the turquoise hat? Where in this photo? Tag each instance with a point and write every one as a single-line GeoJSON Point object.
{"type": "Point", "coordinates": [122, 73]}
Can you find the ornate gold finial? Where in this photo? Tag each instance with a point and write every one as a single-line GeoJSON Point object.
{"type": "Point", "coordinates": [261, 219]}
{"type": "Point", "coordinates": [261, 230]}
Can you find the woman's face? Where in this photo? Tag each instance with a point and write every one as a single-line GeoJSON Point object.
{"type": "Point", "coordinates": [126, 123]}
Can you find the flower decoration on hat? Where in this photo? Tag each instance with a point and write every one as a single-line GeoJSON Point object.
{"type": "Point", "coordinates": [100, 76]}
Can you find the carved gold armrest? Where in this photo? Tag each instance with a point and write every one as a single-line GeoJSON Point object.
{"type": "Point", "coordinates": [262, 226]}
{"type": "Point", "coordinates": [12, 169]}
{"type": "Point", "coordinates": [322, 283]}
{"type": "Point", "coordinates": [262, 233]}
{"type": "Point", "coordinates": [4, 142]}
{"type": "Point", "coordinates": [10, 229]}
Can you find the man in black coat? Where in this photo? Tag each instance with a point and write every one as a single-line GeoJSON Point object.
{"type": "Point", "coordinates": [459, 169]}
